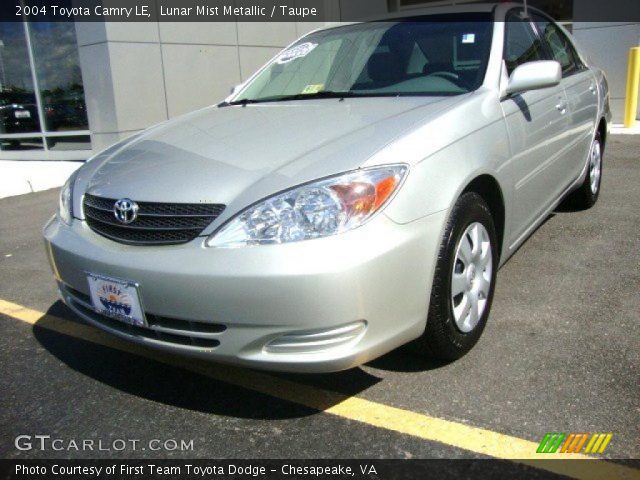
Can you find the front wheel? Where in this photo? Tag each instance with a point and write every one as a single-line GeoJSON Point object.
{"type": "Point", "coordinates": [464, 281]}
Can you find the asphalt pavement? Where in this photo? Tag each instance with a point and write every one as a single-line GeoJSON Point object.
{"type": "Point", "coordinates": [560, 353]}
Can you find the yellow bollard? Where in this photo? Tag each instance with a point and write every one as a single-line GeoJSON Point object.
{"type": "Point", "coordinates": [633, 83]}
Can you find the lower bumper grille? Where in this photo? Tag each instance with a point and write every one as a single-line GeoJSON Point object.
{"type": "Point", "coordinates": [155, 223]}
{"type": "Point", "coordinates": [162, 329]}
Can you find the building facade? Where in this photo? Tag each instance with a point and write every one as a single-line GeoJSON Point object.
{"type": "Point", "coordinates": [67, 90]}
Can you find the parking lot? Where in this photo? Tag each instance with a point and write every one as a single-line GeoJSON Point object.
{"type": "Point", "coordinates": [561, 353]}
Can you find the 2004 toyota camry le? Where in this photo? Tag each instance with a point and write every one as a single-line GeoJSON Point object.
{"type": "Point", "coordinates": [357, 193]}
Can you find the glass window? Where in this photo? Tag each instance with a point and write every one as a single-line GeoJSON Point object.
{"type": "Point", "coordinates": [55, 52]}
{"type": "Point", "coordinates": [522, 45]}
{"type": "Point", "coordinates": [21, 143]}
{"type": "Point", "coordinates": [430, 55]}
{"type": "Point", "coordinates": [417, 60]}
{"type": "Point", "coordinates": [69, 142]}
{"type": "Point", "coordinates": [18, 111]}
{"type": "Point", "coordinates": [561, 48]}
{"type": "Point", "coordinates": [45, 108]}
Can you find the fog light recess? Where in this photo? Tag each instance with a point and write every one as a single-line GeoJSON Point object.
{"type": "Point", "coordinates": [313, 341]}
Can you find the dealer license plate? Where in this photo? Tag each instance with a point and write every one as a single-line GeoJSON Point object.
{"type": "Point", "coordinates": [117, 299]}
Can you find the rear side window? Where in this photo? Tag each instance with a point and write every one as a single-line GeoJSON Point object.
{"type": "Point", "coordinates": [522, 45]}
{"type": "Point", "coordinates": [559, 45]}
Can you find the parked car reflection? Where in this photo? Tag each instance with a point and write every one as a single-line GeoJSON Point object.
{"type": "Point", "coordinates": [18, 113]}
{"type": "Point", "coordinates": [64, 109]}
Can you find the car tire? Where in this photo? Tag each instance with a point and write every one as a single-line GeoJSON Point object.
{"type": "Point", "coordinates": [586, 195]}
{"type": "Point", "coordinates": [450, 333]}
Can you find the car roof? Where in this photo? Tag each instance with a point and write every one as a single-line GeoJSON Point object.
{"type": "Point", "coordinates": [422, 11]}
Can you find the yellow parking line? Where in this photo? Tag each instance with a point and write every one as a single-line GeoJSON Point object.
{"type": "Point", "coordinates": [19, 312]}
{"type": "Point", "coordinates": [473, 439]}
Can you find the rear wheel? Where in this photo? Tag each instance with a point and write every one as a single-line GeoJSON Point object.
{"type": "Point", "coordinates": [464, 281]}
{"type": "Point", "coordinates": [587, 194]}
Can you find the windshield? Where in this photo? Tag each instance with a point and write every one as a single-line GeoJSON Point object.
{"type": "Point", "coordinates": [430, 55]}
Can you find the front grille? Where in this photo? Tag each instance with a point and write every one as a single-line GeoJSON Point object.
{"type": "Point", "coordinates": [156, 223]}
{"type": "Point", "coordinates": [163, 329]}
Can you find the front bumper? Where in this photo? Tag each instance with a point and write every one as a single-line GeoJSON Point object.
{"type": "Point", "coordinates": [314, 306]}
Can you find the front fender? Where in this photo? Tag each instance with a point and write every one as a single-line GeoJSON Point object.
{"type": "Point", "coordinates": [435, 183]}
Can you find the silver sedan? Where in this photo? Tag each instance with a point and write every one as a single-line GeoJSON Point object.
{"type": "Point", "coordinates": [357, 193]}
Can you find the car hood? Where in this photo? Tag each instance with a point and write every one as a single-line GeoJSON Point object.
{"type": "Point", "coordinates": [237, 155]}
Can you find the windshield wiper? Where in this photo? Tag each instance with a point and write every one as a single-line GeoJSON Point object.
{"type": "Point", "coordinates": [311, 96]}
{"type": "Point", "coordinates": [243, 102]}
{"type": "Point", "coordinates": [297, 96]}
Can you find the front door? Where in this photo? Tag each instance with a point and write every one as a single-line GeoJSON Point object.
{"type": "Point", "coordinates": [580, 86]}
{"type": "Point", "coordinates": [537, 123]}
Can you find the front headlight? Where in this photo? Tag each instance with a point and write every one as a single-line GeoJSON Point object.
{"type": "Point", "coordinates": [65, 210]}
{"type": "Point", "coordinates": [315, 210]}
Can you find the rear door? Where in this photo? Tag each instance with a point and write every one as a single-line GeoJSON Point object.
{"type": "Point", "coordinates": [537, 124]}
{"type": "Point", "coordinates": [580, 87]}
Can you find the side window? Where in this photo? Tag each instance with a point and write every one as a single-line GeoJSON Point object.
{"type": "Point", "coordinates": [561, 48]}
{"type": "Point", "coordinates": [522, 45]}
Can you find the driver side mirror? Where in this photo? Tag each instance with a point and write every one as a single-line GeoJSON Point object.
{"type": "Point", "coordinates": [534, 76]}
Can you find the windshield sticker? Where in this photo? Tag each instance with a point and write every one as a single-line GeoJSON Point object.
{"type": "Point", "coordinates": [311, 89]}
{"type": "Point", "coordinates": [469, 38]}
{"type": "Point", "coordinates": [298, 51]}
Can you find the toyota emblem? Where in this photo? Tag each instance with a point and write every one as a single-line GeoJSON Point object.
{"type": "Point", "coordinates": [125, 210]}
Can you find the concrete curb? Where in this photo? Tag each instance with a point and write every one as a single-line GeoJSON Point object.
{"type": "Point", "coordinates": [618, 129]}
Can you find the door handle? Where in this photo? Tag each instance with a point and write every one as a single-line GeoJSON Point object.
{"type": "Point", "coordinates": [562, 107]}
{"type": "Point", "coordinates": [592, 89]}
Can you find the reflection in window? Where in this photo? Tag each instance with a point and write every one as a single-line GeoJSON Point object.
{"type": "Point", "coordinates": [66, 143]}
{"type": "Point", "coordinates": [14, 144]}
{"type": "Point", "coordinates": [59, 78]}
{"type": "Point", "coordinates": [18, 111]}
{"type": "Point", "coordinates": [45, 109]}
{"type": "Point", "coordinates": [561, 47]}
{"type": "Point", "coordinates": [521, 44]}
